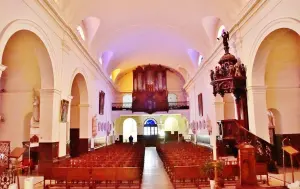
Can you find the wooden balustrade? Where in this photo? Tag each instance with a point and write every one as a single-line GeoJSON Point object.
{"type": "Point", "coordinates": [233, 133]}
{"type": "Point", "coordinates": [171, 105]}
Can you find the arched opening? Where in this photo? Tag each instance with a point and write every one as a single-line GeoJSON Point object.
{"type": "Point", "coordinates": [129, 129]}
{"type": "Point", "coordinates": [127, 101]}
{"type": "Point", "coordinates": [150, 132]}
{"type": "Point", "coordinates": [172, 98]}
{"type": "Point", "coordinates": [276, 70]}
{"type": "Point", "coordinates": [221, 30]}
{"type": "Point", "coordinates": [29, 69]}
{"type": "Point", "coordinates": [275, 80]}
{"type": "Point", "coordinates": [171, 124]}
{"type": "Point", "coordinates": [79, 117]}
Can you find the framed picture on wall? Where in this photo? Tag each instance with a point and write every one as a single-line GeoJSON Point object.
{"type": "Point", "coordinates": [101, 102]}
{"type": "Point", "coordinates": [200, 104]}
{"type": "Point", "coordinates": [64, 108]}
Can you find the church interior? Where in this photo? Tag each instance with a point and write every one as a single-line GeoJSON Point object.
{"type": "Point", "coordinates": [149, 94]}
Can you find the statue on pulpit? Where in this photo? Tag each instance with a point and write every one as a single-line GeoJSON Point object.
{"type": "Point", "coordinates": [36, 109]}
{"type": "Point", "coordinates": [225, 36]}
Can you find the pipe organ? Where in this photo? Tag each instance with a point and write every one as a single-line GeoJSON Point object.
{"type": "Point", "coordinates": [150, 89]}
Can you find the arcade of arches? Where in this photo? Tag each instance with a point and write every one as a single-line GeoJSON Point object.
{"type": "Point", "coordinates": [75, 79]}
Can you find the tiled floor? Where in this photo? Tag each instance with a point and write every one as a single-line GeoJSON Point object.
{"type": "Point", "coordinates": [154, 175]}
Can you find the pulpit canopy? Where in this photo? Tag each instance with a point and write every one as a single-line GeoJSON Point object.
{"type": "Point", "coordinates": [230, 75]}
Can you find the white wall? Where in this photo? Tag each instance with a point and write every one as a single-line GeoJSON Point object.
{"type": "Point", "coordinates": [68, 57]}
{"type": "Point", "coordinates": [245, 39]}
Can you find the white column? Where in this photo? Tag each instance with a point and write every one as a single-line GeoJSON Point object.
{"type": "Point", "coordinates": [70, 98]}
{"type": "Point", "coordinates": [219, 115]}
{"type": "Point", "coordinates": [219, 108]}
{"type": "Point", "coordinates": [257, 112]}
{"type": "Point", "coordinates": [49, 115]}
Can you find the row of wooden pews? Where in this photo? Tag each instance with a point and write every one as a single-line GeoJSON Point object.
{"type": "Point", "coordinates": [183, 163]}
{"type": "Point", "coordinates": [114, 166]}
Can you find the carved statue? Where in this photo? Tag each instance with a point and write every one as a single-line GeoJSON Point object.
{"type": "Point", "coordinates": [243, 70]}
{"type": "Point", "coordinates": [231, 70]}
{"type": "Point", "coordinates": [225, 36]}
{"type": "Point", "coordinates": [212, 74]}
{"type": "Point", "coordinates": [36, 109]}
{"type": "Point", "coordinates": [94, 125]}
{"type": "Point", "coordinates": [237, 67]}
{"type": "Point", "coordinates": [217, 71]}
{"type": "Point", "coordinates": [271, 119]}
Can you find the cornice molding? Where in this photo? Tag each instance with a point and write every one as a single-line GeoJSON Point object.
{"type": "Point", "coordinates": [65, 46]}
{"type": "Point", "coordinates": [248, 11]}
{"type": "Point", "coordinates": [256, 89]}
{"type": "Point", "coordinates": [54, 13]}
{"type": "Point", "coordinates": [50, 91]}
{"type": "Point", "coordinates": [84, 105]}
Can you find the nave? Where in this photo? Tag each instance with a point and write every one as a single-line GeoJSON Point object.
{"type": "Point", "coordinates": [113, 167]}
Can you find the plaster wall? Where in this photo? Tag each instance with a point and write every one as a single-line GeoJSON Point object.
{"type": "Point", "coordinates": [245, 39]}
{"type": "Point", "coordinates": [68, 57]}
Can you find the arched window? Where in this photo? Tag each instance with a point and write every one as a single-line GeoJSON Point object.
{"type": "Point", "coordinates": [200, 59]}
{"type": "Point", "coordinates": [81, 32]}
{"type": "Point", "coordinates": [150, 127]}
{"type": "Point", "coordinates": [127, 100]}
{"type": "Point", "coordinates": [172, 97]}
{"type": "Point", "coordinates": [220, 31]}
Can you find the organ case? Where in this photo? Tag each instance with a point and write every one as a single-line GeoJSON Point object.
{"type": "Point", "coordinates": [150, 89]}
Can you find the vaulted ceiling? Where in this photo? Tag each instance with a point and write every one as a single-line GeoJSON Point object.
{"type": "Point", "coordinates": [127, 33]}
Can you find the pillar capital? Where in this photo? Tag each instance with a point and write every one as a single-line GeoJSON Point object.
{"type": "Point", "coordinates": [256, 89]}
{"type": "Point", "coordinates": [49, 91]}
{"type": "Point", "coordinates": [218, 103]}
{"type": "Point", "coordinates": [84, 105]}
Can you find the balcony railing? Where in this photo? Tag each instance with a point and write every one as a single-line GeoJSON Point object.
{"type": "Point", "coordinates": [172, 106]}
{"type": "Point", "coordinates": [122, 106]}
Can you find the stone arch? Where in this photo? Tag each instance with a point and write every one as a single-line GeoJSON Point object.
{"type": "Point", "coordinates": [79, 116]}
{"type": "Point", "coordinates": [28, 74]}
{"type": "Point", "coordinates": [288, 23]}
{"type": "Point", "coordinates": [27, 25]}
{"type": "Point", "coordinates": [81, 72]}
{"type": "Point", "coordinates": [274, 76]}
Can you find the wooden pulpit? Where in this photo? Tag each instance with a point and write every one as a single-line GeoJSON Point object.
{"type": "Point", "coordinates": [291, 151]}
{"type": "Point", "coordinates": [247, 164]}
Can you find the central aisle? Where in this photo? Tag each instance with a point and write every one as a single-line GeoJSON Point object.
{"type": "Point", "coordinates": [154, 175]}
